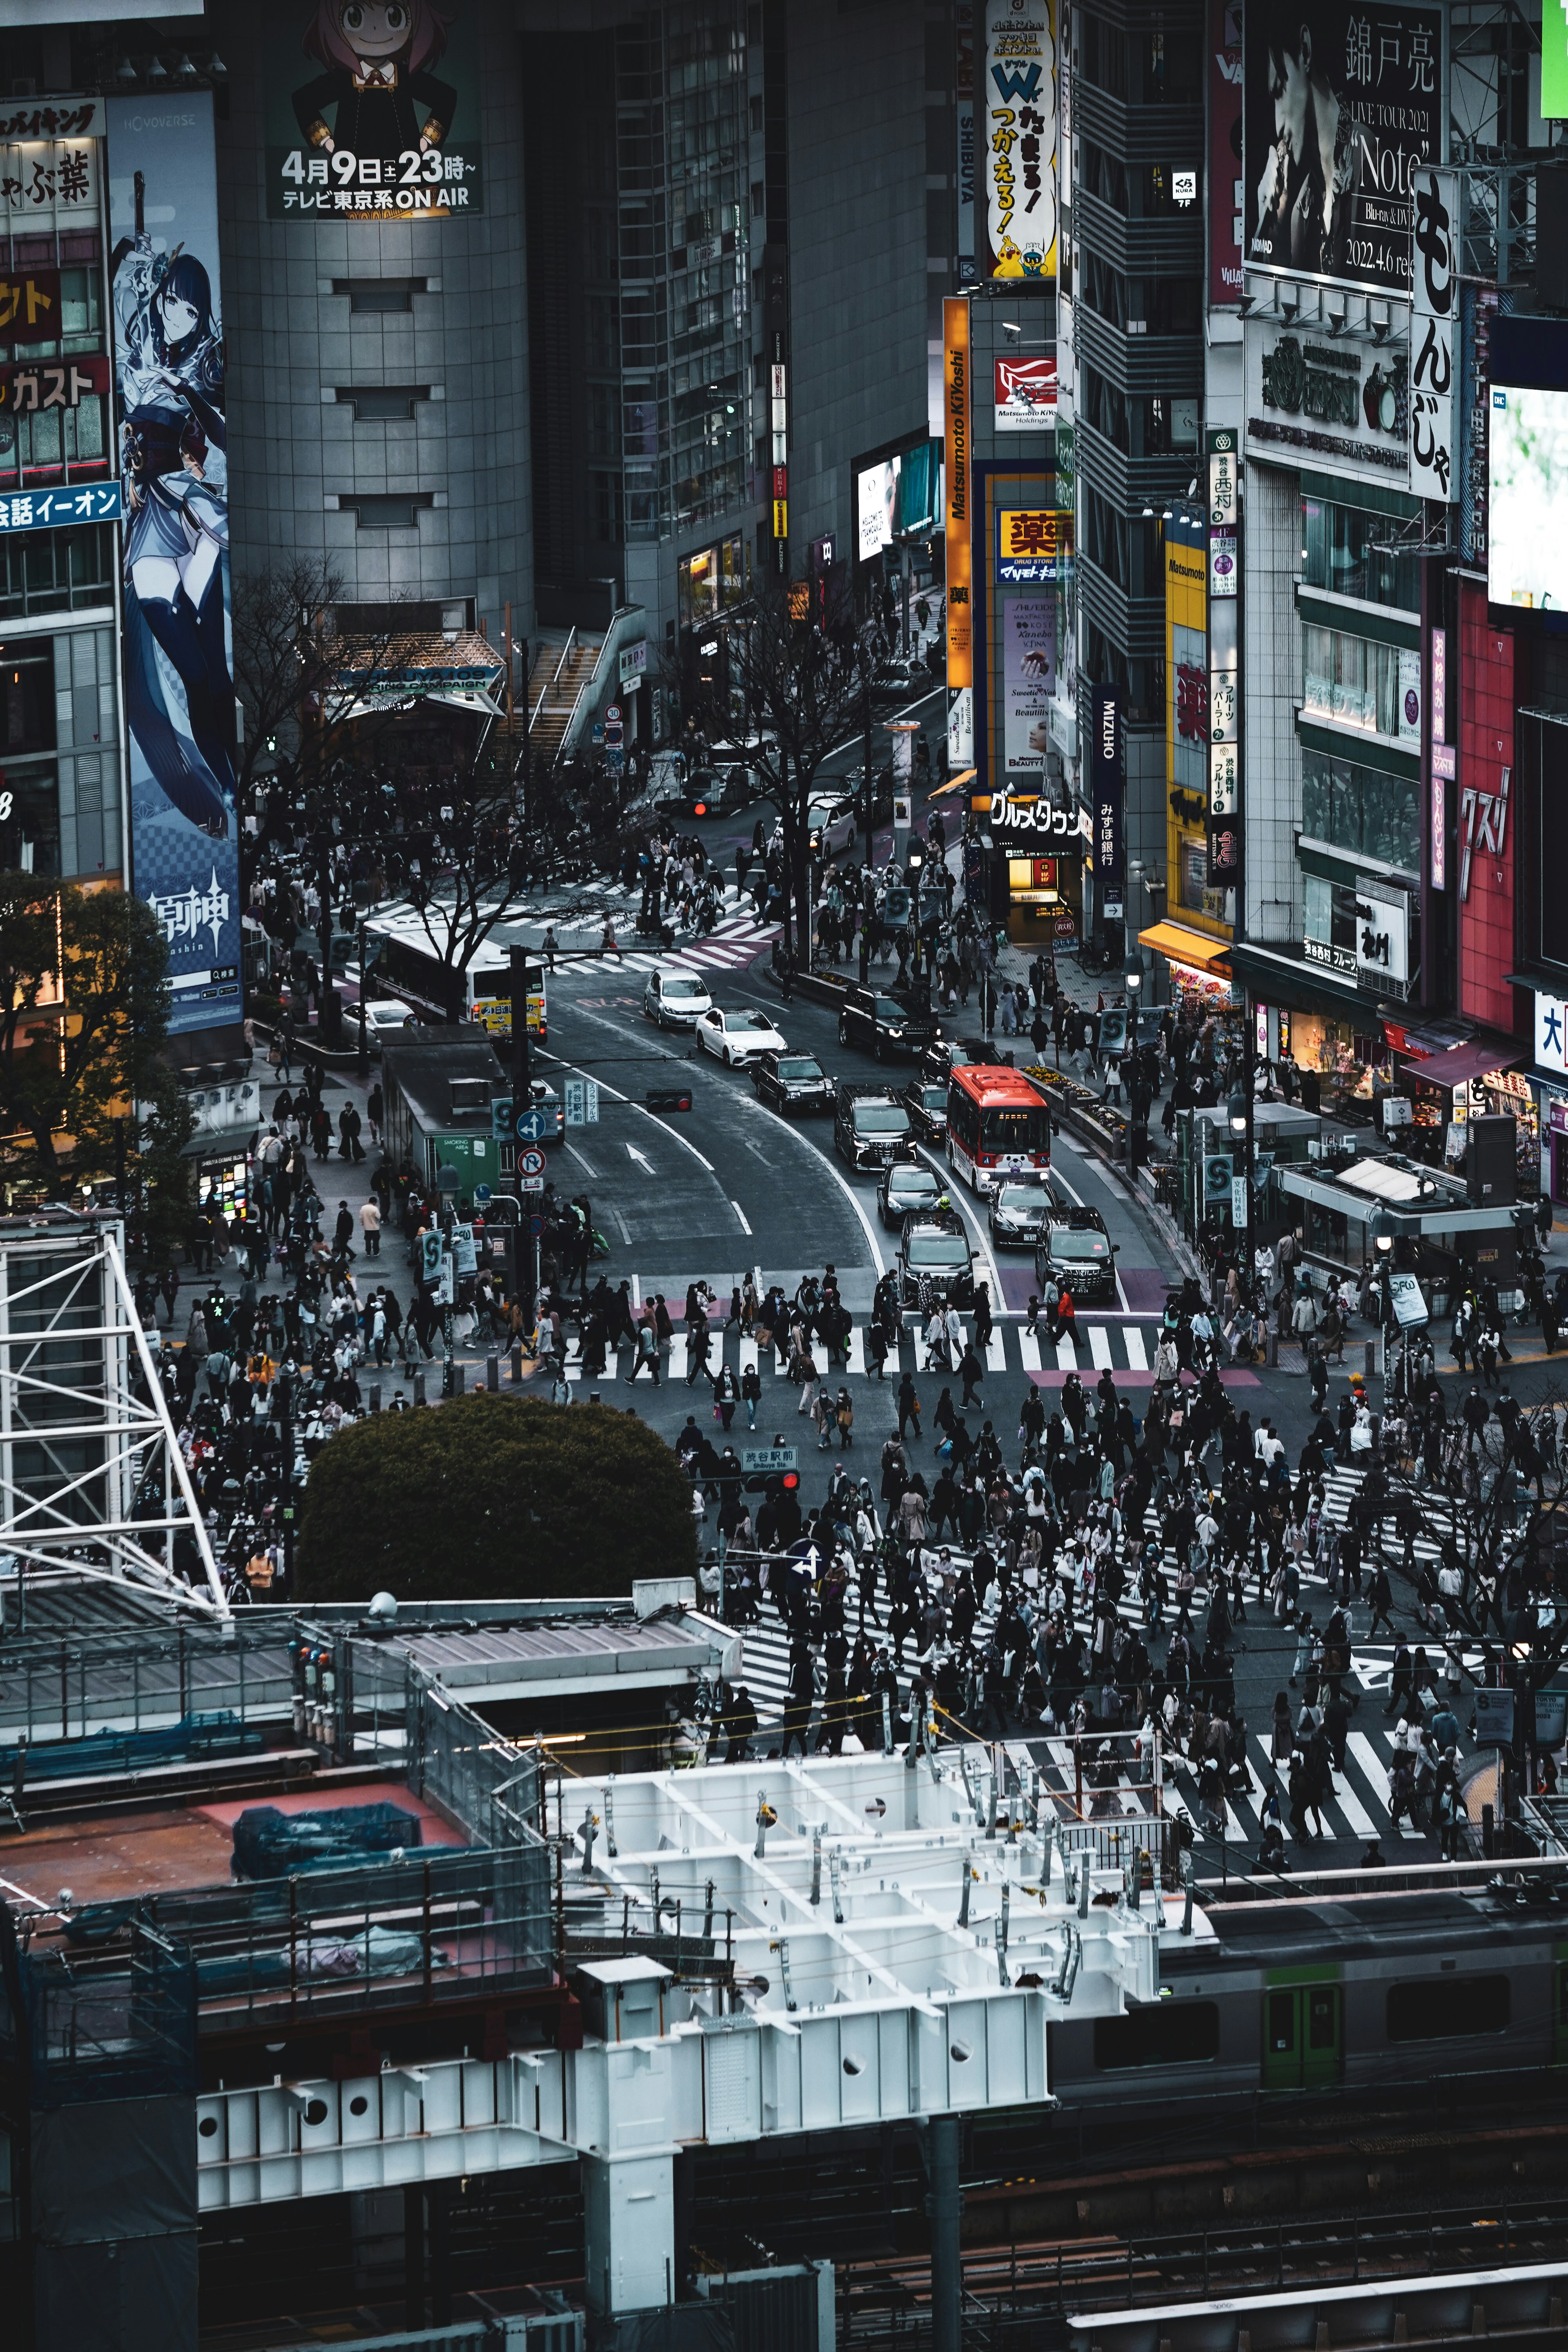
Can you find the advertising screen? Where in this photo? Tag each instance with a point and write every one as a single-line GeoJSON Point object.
{"type": "Point", "coordinates": [1016, 133]}
{"type": "Point", "coordinates": [1028, 664]}
{"type": "Point", "coordinates": [372, 110]}
{"type": "Point", "coordinates": [1343, 105]}
{"type": "Point", "coordinates": [171, 400]}
{"type": "Point", "coordinates": [1528, 497]}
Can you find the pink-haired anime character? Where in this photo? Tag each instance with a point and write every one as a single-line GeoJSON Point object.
{"type": "Point", "coordinates": [377, 54]}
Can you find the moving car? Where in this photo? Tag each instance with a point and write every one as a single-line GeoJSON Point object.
{"type": "Point", "coordinates": [878, 1023]}
{"type": "Point", "coordinates": [949, 1054]}
{"type": "Point", "coordinates": [676, 1000]}
{"type": "Point", "coordinates": [910, 1188]}
{"type": "Point", "coordinates": [708, 792]}
{"type": "Point", "coordinates": [831, 822]}
{"type": "Point", "coordinates": [1079, 1251]}
{"type": "Point", "coordinates": [384, 1017]}
{"type": "Point", "coordinates": [902, 678]}
{"type": "Point", "coordinates": [925, 1099]}
{"type": "Point", "coordinates": [790, 1081]}
{"type": "Point", "coordinates": [935, 1262]}
{"type": "Point", "coordinates": [1021, 1210]}
{"type": "Point", "coordinates": [870, 1127]}
{"type": "Point", "coordinates": [737, 1034]}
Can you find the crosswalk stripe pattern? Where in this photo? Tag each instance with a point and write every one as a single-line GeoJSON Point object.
{"type": "Point", "coordinates": [732, 944]}
{"type": "Point", "coordinates": [1358, 1806]}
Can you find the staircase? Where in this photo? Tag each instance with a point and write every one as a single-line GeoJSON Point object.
{"type": "Point", "coordinates": [562, 668]}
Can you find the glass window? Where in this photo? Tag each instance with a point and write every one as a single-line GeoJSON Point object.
{"type": "Point", "coordinates": [27, 696]}
{"type": "Point", "coordinates": [55, 571]}
{"type": "Point", "coordinates": [1193, 876]}
{"type": "Point", "coordinates": [30, 818]}
{"type": "Point", "coordinates": [1351, 680]}
{"type": "Point", "coordinates": [1361, 810]}
{"type": "Point", "coordinates": [1353, 553]}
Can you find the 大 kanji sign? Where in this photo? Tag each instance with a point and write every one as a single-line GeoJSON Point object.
{"type": "Point", "coordinates": [1552, 1032]}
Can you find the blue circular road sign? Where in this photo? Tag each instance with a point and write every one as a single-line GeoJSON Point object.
{"type": "Point", "coordinates": [536, 1227]}
{"type": "Point", "coordinates": [533, 1126]}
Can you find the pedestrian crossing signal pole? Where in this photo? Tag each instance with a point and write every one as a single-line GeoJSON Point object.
{"type": "Point", "coordinates": [526, 1265]}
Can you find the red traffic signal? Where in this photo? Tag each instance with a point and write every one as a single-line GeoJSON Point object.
{"type": "Point", "coordinates": [668, 1098]}
{"type": "Point", "coordinates": [790, 1480]}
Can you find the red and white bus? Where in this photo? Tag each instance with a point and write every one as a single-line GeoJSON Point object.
{"type": "Point", "coordinates": [997, 1125]}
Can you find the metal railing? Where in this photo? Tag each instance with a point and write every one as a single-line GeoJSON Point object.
{"type": "Point", "coordinates": [63, 1690]}
{"type": "Point", "coordinates": [549, 690]}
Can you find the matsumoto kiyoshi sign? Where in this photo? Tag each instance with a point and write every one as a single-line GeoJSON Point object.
{"type": "Point", "coordinates": [372, 112]}
{"type": "Point", "coordinates": [1343, 105]}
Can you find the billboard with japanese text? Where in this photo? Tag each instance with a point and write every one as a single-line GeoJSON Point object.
{"type": "Point", "coordinates": [1342, 107]}
{"type": "Point", "coordinates": [171, 413]}
{"type": "Point", "coordinates": [1016, 136]}
{"type": "Point", "coordinates": [1028, 625]}
{"type": "Point", "coordinates": [372, 112]}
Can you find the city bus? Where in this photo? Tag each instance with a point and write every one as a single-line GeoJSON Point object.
{"type": "Point", "coordinates": [997, 1125]}
{"type": "Point", "coordinates": [402, 962]}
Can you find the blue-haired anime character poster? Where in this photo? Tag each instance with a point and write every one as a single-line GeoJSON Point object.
{"type": "Point", "coordinates": [179, 686]}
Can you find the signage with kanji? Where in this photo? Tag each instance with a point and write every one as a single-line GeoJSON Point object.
{"type": "Point", "coordinates": [51, 384]}
{"type": "Point", "coordinates": [1028, 540]}
{"type": "Point", "coordinates": [52, 509]}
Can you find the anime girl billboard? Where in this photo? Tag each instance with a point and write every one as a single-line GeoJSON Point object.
{"type": "Point", "coordinates": [179, 686]}
{"type": "Point", "coordinates": [373, 110]}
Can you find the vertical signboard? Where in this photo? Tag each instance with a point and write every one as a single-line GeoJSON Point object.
{"type": "Point", "coordinates": [1226, 195]}
{"type": "Point", "coordinates": [1109, 780]}
{"type": "Point", "coordinates": [1224, 570]}
{"type": "Point", "coordinates": [1015, 127]}
{"type": "Point", "coordinates": [170, 407]}
{"type": "Point", "coordinates": [1442, 762]}
{"type": "Point", "coordinates": [1434, 377]}
{"type": "Point", "coordinates": [958, 492]}
{"type": "Point", "coordinates": [963, 89]}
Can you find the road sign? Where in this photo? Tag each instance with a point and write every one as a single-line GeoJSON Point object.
{"type": "Point", "coordinates": [582, 1102]}
{"type": "Point", "coordinates": [533, 1125]}
{"type": "Point", "coordinates": [531, 1161]}
{"type": "Point", "coordinates": [447, 1179]}
{"type": "Point", "coordinates": [530, 1184]}
{"type": "Point", "coordinates": [613, 714]}
{"type": "Point", "coordinates": [536, 1227]}
{"type": "Point", "coordinates": [770, 1457]}
{"type": "Point", "coordinates": [483, 1195]}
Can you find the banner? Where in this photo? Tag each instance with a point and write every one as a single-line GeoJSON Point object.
{"type": "Point", "coordinates": [372, 110]}
{"type": "Point", "coordinates": [1222, 528]}
{"type": "Point", "coordinates": [170, 400]}
{"type": "Point", "coordinates": [1029, 666]}
{"type": "Point", "coordinates": [957, 489]}
{"type": "Point", "coordinates": [1026, 395]}
{"type": "Point", "coordinates": [1016, 129]}
{"type": "Point", "coordinates": [1106, 753]}
{"type": "Point", "coordinates": [1343, 108]}
{"type": "Point", "coordinates": [1433, 371]}
{"type": "Point", "coordinates": [1225, 200]}
{"type": "Point", "coordinates": [963, 88]}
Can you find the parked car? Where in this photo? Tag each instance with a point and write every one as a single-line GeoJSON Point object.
{"type": "Point", "coordinates": [737, 1034]}
{"type": "Point", "coordinates": [676, 1000]}
{"type": "Point", "coordinates": [870, 1127]}
{"type": "Point", "coordinates": [872, 1019]}
{"type": "Point", "coordinates": [908, 1188]}
{"type": "Point", "coordinates": [925, 1099]}
{"type": "Point", "coordinates": [789, 1082]}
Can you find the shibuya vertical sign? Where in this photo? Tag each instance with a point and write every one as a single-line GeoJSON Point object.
{"type": "Point", "coordinates": [1342, 108]}
{"type": "Point", "coordinates": [169, 404]}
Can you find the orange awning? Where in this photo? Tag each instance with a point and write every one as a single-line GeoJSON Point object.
{"type": "Point", "coordinates": [954, 784]}
{"type": "Point", "coordinates": [1195, 949]}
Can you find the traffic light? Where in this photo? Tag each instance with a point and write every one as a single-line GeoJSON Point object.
{"type": "Point", "coordinates": [668, 1098]}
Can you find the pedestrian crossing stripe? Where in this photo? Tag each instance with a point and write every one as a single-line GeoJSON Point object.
{"type": "Point", "coordinates": [1122, 1348]}
{"type": "Point", "coordinates": [736, 941]}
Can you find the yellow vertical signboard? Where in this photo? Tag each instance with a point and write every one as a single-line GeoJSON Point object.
{"type": "Point", "coordinates": [959, 521]}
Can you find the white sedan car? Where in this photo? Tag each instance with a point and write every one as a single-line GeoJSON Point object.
{"type": "Point", "coordinates": [383, 1018]}
{"type": "Point", "coordinates": [738, 1035]}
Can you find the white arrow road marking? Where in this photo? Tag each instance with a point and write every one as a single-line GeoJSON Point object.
{"type": "Point", "coordinates": [639, 1157]}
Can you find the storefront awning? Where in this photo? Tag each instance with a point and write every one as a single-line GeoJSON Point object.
{"type": "Point", "coordinates": [1179, 945]}
{"type": "Point", "coordinates": [954, 784]}
{"type": "Point", "coordinates": [1460, 1063]}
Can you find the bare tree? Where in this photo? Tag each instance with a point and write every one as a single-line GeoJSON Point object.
{"type": "Point", "coordinates": [804, 676]}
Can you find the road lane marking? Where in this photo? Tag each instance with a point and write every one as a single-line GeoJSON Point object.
{"type": "Point", "coordinates": [1099, 1347]}
{"type": "Point", "coordinates": [586, 1165]}
{"type": "Point", "coordinates": [741, 1215]}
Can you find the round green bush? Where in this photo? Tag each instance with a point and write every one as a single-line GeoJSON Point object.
{"type": "Point", "coordinates": [491, 1499]}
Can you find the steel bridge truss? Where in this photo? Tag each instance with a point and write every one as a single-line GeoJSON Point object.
{"type": "Point", "coordinates": [85, 1429]}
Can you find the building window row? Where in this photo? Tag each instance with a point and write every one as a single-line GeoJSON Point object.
{"type": "Point", "coordinates": [1350, 552]}
{"type": "Point", "coordinates": [1361, 810]}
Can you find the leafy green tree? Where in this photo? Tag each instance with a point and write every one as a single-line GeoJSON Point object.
{"type": "Point", "coordinates": [492, 1497]}
{"type": "Point", "coordinates": [84, 1010]}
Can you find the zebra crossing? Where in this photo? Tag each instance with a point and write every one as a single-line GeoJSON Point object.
{"type": "Point", "coordinates": [730, 945]}
{"type": "Point", "coordinates": [1124, 1348]}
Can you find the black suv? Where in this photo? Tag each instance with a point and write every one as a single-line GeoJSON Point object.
{"type": "Point", "coordinates": [1076, 1248]}
{"type": "Point", "coordinates": [935, 1262]}
{"type": "Point", "coordinates": [949, 1054]}
{"type": "Point", "coordinates": [925, 1099]}
{"type": "Point", "coordinates": [791, 1082]}
{"type": "Point", "coordinates": [870, 1127]}
{"type": "Point", "coordinates": [870, 1018]}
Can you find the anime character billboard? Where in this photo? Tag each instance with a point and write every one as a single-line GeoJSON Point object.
{"type": "Point", "coordinates": [170, 413]}
{"type": "Point", "coordinates": [373, 110]}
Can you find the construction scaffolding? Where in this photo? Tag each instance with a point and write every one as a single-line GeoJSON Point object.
{"type": "Point", "coordinates": [91, 1474]}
